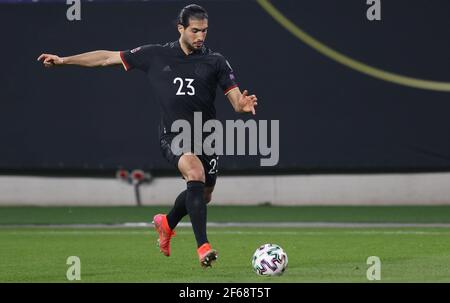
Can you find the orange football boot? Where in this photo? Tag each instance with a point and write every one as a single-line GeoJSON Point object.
{"type": "Point", "coordinates": [165, 233]}
{"type": "Point", "coordinates": [206, 255]}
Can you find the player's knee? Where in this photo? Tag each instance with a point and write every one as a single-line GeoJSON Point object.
{"type": "Point", "coordinates": [196, 175]}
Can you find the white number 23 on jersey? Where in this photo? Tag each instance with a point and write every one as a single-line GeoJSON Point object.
{"type": "Point", "coordinates": [185, 86]}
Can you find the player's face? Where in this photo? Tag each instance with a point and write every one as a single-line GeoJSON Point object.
{"type": "Point", "coordinates": [194, 35]}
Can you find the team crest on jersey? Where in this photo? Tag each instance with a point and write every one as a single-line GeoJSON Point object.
{"type": "Point", "coordinates": [135, 50]}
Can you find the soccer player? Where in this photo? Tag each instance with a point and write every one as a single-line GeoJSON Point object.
{"type": "Point", "coordinates": [183, 78]}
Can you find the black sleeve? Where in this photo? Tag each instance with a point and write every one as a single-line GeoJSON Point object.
{"type": "Point", "coordinates": [225, 74]}
{"type": "Point", "coordinates": [138, 57]}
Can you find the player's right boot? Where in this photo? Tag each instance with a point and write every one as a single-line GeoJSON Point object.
{"type": "Point", "coordinates": [206, 255]}
{"type": "Point", "coordinates": [165, 233]}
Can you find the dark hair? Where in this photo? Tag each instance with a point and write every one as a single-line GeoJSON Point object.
{"type": "Point", "coordinates": [193, 11]}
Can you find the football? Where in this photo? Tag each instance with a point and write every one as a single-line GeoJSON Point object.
{"type": "Point", "coordinates": [269, 260]}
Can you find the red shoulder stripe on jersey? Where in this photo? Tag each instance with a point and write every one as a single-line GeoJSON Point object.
{"type": "Point", "coordinates": [125, 64]}
{"type": "Point", "coordinates": [230, 88]}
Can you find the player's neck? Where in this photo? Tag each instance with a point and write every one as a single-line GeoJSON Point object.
{"type": "Point", "coordinates": [185, 49]}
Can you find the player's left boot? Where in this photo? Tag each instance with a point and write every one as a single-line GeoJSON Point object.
{"type": "Point", "coordinates": [206, 255]}
{"type": "Point", "coordinates": [165, 233]}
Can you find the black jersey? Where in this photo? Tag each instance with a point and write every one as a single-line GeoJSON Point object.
{"type": "Point", "coordinates": [182, 84]}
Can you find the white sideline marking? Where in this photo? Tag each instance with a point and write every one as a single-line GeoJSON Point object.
{"type": "Point", "coordinates": [78, 229]}
{"type": "Point", "coordinates": [83, 233]}
{"type": "Point", "coordinates": [241, 224]}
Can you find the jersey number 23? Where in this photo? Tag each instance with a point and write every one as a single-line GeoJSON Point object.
{"type": "Point", "coordinates": [185, 86]}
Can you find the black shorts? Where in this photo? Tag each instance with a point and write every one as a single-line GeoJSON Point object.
{"type": "Point", "coordinates": [210, 163]}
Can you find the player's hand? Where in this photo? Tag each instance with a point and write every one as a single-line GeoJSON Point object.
{"type": "Point", "coordinates": [248, 103]}
{"type": "Point", "coordinates": [50, 60]}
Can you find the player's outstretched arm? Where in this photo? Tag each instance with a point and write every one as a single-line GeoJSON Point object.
{"type": "Point", "coordinates": [90, 59]}
{"type": "Point", "coordinates": [242, 102]}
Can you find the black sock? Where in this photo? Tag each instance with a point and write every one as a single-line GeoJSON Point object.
{"type": "Point", "coordinates": [178, 211]}
{"type": "Point", "coordinates": [196, 208]}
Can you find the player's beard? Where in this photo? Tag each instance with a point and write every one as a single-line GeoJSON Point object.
{"type": "Point", "coordinates": [200, 45]}
{"type": "Point", "coordinates": [190, 46]}
{"type": "Point", "coordinates": [193, 48]}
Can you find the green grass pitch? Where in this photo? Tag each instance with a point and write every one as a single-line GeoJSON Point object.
{"type": "Point", "coordinates": [39, 254]}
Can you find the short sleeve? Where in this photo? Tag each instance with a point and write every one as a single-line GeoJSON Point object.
{"type": "Point", "coordinates": [226, 77]}
{"type": "Point", "coordinates": [138, 57]}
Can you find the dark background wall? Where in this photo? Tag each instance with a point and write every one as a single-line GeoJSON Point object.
{"type": "Point", "coordinates": [332, 118]}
